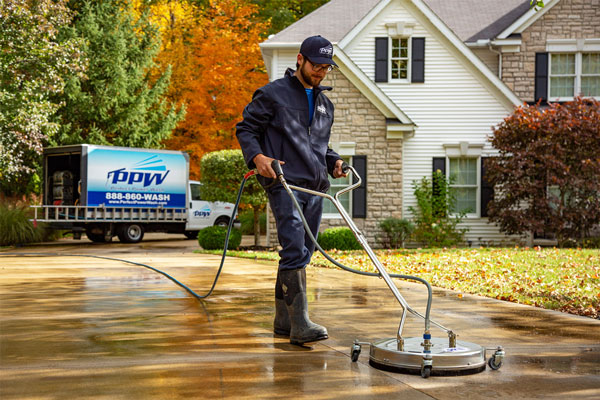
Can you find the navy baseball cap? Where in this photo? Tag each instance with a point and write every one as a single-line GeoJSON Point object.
{"type": "Point", "coordinates": [318, 50]}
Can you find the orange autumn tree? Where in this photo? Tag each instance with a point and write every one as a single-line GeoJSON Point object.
{"type": "Point", "coordinates": [217, 65]}
{"type": "Point", "coordinates": [176, 21]}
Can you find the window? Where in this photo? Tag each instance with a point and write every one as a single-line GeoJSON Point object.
{"type": "Point", "coordinates": [399, 60]}
{"type": "Point", "coordinates": [464, 178]}
{"type": "Point", "coordinates": [590, 74]}
{"type": "Point", "coordinates": [329, 210]}
{"type": "Point", "coordinates": [196, 191]}
{"type": "Point", "coordinates": [573, 74]}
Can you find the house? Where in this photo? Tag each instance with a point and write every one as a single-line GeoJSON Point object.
{"type": "Point", "coordinates": [421, 83]}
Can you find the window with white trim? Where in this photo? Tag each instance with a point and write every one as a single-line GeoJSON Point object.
{"type": "Point", "coordinates": [464, 179]}
{"type": "Point", "coordinates": [572, 74]}
{"type": "Point", "coordinates": [399, 58]}
{"type": "Point", "coordinates": [329, 210]}
{"type": "Point", "coordinates": [590, 74]}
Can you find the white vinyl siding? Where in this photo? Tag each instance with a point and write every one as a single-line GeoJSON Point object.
{"type": "Point", "coordinates": [286, 59]}
{"type": "Point", "coordinates": [452, 105]}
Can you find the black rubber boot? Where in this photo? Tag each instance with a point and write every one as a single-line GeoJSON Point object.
{"type": "Point", "coordinates": [303, 330]}
{"type": "Point", "coordinates": [281, 325]}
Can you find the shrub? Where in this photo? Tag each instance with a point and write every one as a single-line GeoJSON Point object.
{"type": "Point", "coordinates": [395, 232]}
{"type": "Point", "coordinates": [591, 243]}
{"type": "Point", "coordinates": [15, 227]}
{"type": "Point", "coordinates": [434, 226]}
{"type": "Point", "coordinates": [222, 173]}
{"type": "Point", "coordinates": [338, 238]}
{"type": "Point", "coordinates": [213, 238]}
{"type": "Point", "coordinates": [547, 174]}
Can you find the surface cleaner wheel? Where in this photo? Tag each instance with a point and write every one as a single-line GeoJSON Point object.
{"type": "Point", "coordinates": [355, 352]}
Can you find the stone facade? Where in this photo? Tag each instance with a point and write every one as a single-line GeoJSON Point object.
{"type": "Point", "coordinates": [569, 19]}
{"type": "Point", "coordinates": [357, 120]}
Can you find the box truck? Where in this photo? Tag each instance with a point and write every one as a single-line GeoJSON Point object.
{"type": "Point", "coordinates": [106, 191]}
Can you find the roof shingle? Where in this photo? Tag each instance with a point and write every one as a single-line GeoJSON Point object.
{"type": "Point", "coordinates": [469, 19]}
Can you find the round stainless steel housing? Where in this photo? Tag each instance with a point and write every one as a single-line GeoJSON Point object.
{"type": "Point", "coordinates": [465, 358]}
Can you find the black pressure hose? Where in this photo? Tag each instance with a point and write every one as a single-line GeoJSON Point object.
{"type": "Point", "coordinates": [190, 291]}
{"type": "Point", "coordinates": [187, 289]}
{"type": "Point", "coordinates": [235, 208]}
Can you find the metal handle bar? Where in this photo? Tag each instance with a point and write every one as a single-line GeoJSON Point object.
{"type": "Point", "coordinates": [345, 169]}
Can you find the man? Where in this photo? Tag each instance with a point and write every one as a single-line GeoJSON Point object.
{"type": "Point", "coordinates": [290, 120]}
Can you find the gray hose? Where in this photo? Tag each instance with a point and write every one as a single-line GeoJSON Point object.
{"type": "Point", "coordinates": [279, 172]}
{"type": "Point", "coordinates": [364, 273]}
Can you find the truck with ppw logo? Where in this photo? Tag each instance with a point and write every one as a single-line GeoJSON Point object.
{"type": "Point", "coordinates": [106, 191]}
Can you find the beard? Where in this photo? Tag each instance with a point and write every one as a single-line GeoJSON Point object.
{"type": "Point", "coordinates": [312, 80]}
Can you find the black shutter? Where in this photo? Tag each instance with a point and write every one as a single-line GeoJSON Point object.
{"type": "Point", "coordinates": [381, 59]}
{"type": "Point", "coordinates": [439, 163]}
{"type": "Point", "coordinates": [418, 60]}
{"type": "Point", "coordinates": [487, 190]}
{"type": "Point", "coordinates": [541, 77]}
{"type": "Point", "coordinates": [359, 195]}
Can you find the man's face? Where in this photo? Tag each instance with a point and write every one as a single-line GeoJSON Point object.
{"type": "Point", "coordinates": [310, 76]}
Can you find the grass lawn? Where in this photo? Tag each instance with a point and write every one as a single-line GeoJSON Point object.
{"type": "Point", "coordinates": [566, 280]}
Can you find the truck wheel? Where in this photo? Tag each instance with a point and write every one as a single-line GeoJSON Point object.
{"type": "Point", "coordinates": [191, 234]}
{"type": "Point", "coordinates": [131, 233]}
{"type": "Point", "coordinates": [222, 221]}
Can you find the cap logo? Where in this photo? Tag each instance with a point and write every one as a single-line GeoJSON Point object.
{"type": "Point", "coordinates": [326, 50]}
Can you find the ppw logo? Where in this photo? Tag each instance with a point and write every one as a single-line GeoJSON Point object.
{"type": "Point", "coordinates": [141, 172]}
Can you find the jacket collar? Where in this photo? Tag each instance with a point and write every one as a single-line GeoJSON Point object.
{"type": "Point", "coordinates": [289, 73]}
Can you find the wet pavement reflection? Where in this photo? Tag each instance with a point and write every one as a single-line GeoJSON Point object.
{"type": "Point", "coordinates": [78, 327]}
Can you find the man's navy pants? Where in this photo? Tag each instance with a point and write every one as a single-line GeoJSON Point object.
{"type": "Point", "coordinates": [297, 248]}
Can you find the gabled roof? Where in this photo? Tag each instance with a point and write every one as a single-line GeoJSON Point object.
{"type": "Point", "coordinates": [332, 20]}
{"type": "Point", "coordinates": [526, 20]}
{"type": "Point", "coordinates": [473, 20]}
{"type": "Point", "coordinates": [470, 20]}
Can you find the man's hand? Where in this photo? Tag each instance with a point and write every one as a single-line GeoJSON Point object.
{"type": "Point", "coordinates": [263, 166]}
{"type": "Point", "coordinates": [337, 171]}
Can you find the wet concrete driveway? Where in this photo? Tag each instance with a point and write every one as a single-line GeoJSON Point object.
{"type": "Point", "coordinates": [86, 328]}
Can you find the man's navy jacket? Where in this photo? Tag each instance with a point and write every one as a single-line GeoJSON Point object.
{"type": "Point", "coordinates": [276, 125]}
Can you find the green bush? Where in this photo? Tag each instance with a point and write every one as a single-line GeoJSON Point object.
{"type": "Point", "coordinates": [213, 238]}
{"type": "Point", "coordinates": [15, 227]}
{"type": "Point", "coordinates": [591, 243]}
{"type": "Point", "coordinates": [434, 226]}
{"type": "Point", "coordinates": [246, 218]}
{"type": "Point", "coordinates": [338, 238]}
{"type": "Point", "coordinates": [395, 232]}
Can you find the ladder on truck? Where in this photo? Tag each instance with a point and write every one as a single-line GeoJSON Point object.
{"type": "Point", "coordinates": [67, 213]}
